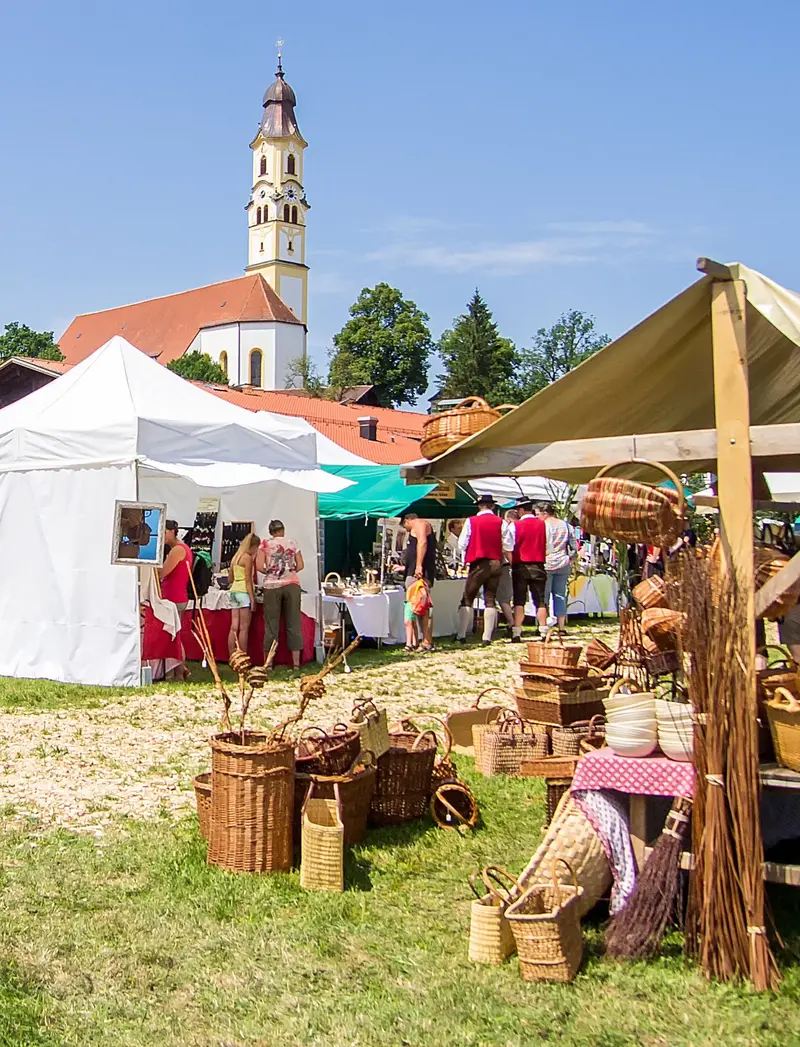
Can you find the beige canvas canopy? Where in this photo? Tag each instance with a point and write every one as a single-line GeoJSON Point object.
{"type": "Point", "coordinates": [650, 394]}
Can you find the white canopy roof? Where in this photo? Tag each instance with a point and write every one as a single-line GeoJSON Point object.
{"type": "Point", "coordinates": [119, 406]}
{"type": "Point", "coordinates": [328, 452]}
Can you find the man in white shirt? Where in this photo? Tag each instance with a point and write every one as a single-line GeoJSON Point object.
{"type": "Point", "coordinates": [485, 544]}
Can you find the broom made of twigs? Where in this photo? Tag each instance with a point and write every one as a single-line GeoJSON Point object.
{"type": "Point", "coordinates": [636, 932]}
{"type": "Point", "coordinates": [725, 919]}
{"type": "Point", "coordinates": [203, 637]}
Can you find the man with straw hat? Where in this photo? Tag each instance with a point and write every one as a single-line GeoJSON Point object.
{"type": "Point", "coordinates": [484, 547]}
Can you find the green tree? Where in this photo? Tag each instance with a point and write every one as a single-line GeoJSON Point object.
{"type": "Point", "coordinates": [477, 361]}
{"type": "Point", "coordinates": [198, 367]}
{"type": "Point", "coordinates": [21, 340]}
{"type": "Point", "coordinates": [572, 339]}
{"type": "Point", "coordinates": [385, 343]}
{"type": "Point", "coordinates": [304, 370]}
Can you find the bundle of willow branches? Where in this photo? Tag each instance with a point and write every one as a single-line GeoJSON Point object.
{"type": "Point", "coordinates": [725, 919]}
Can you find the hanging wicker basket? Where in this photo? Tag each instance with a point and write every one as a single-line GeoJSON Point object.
{"type": "Point", "coordinates": [651, 592]}
{"type": "Point", "coordinates": [445, 430]}
{"type": "Point", "coordinates": [252, 792]}
{"type": "Point", "coordinates": [631, 511]}
{"type": "Point", "coordinates": [599, 655]}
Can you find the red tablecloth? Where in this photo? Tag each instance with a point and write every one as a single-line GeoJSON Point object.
{"type": "Point", "coordinates": [645, 776]}
{"type": "Point", "coordinates": [219, 623]}
{"type": "Point", "coordinates": [156, 641]}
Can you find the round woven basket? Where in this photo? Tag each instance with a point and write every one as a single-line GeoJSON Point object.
{"type": "Point", "coordinates": [453, 806]}
{"type": "Point", "coordinates": [329, 753]}
{"type": "Point", "coordinates": [631, 511]}
{"type": "Point", "coordinates": [252, 793]}
{"type": "Point", "coordinates": [445, 430]}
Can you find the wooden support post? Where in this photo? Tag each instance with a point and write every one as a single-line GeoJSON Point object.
{"type": "Point", "coordinates": [732, 411]}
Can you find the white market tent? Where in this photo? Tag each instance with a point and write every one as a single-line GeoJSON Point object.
{"type": "Point", "coordinates": [121, 426]}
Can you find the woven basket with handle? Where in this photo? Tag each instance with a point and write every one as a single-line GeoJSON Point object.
{"type": "Point", "coordinates": [252, 793]}
{"type": "Point", "coordinates": [554, 653]}
{"type": "Point", "coordinates": [546, 924]}
{"type": "Point", "coordinates": [566, 741]}
{"type": "Point", "coordinates": [560, 707]}
{"type": "Point", "coordinates": [598, 654]}
{"type": "Point", "coordinates": [631, 511]}
{"type": "Point", "coordinates": [461, 721]}
{"type": "Point", "coordinates": [322, 851]}
{"type": "Point", "coordinates": [651, 592]}
{"type": "Point", "coordinates": [403, 782]}
{"type": "Point", "coordinates": [355, 788]}
{"type": "Point", "coordinates": [784, 672]}
{"type": "Point", "coordinates": [783, 712]}
{"type": "Point", "coordinates": [327, 753]}
{"type": "Point", "coordinates": [490, 937]}
{"type": "Point", "coordinates": [372, 724]}
{"type": "Point", "coordinates": [663, 626]}
{"type": "Point", "coordinates": [202, 796]}
{"type": "Point", "coordinates": [332, 584]}
{"type": "Point", "coordinates": [445, 430]}
{"type": "Point", "coordinates": [503, 746]}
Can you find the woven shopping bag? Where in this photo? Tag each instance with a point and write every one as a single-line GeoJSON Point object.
{"type": "Point", "coordinates": [373, 726]}
{"type": "Point", "coordinates": [501, 747]}
{"type": "Point", "coordinates": [322, 848]}
{"type": "Point", "coordinates": [546, 924]}
{"type": "Point", "coordinates": [490, 937]}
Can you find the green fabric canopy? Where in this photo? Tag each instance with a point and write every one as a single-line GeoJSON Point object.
{"type": "Point", "coordinates": [379, 490]}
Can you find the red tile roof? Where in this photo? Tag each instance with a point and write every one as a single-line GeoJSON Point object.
{"type": "Point", "coordinates": [166, 327]}
{"type": "Point", "coordinates": [54, 366]}
{"type": "Point", "coordinates": [399, 432]}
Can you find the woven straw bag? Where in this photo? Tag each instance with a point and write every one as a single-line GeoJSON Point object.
{"type": "Point", "coordinates": [461, 721]}
{"type": "Point", "coordinates": [554, 654]}
{"type": "Point", "coordinates": [783, 712]}
{"type": "Point", "coordinates": [546, 925]}
{"type": "Point", "coordinates": [503, 746]}
{"type": "Point", "coordinates": [322, 849]}
{"type": "Point", "coordinates": [631, 511]}
{"type": "Point", "coordinates": [445, 430]}
{"type": "Point", "coordinates": [571, 836]}
{"type": "Point", "coordinates": [252, 795]}
{"type": "Point", "coordinates": [373, 726]}
{"type": "Point", "coordinates": [566, 741]}
{"type": "Point", "coordinates": [490, 937]}
{"type": "Point", "coordinates": [202, 796]}
{"type": "Point", "coordinates": [651, 592]}
{"type": "Point", "coordinates": [782, 673]}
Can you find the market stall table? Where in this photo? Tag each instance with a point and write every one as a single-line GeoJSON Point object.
{"type": "Point", "coordinates": [218, 621]}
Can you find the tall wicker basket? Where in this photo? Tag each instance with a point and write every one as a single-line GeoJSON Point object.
{"type": "Point", "coordinates": [252, 793]}
{"type": "Point", "coordinates": [202, 796]}
{"type": "Point", "coordinates": [322, 862]}
{"type": "Point", "coordinates": [546, 925]}
{"type": "Point", "coordinates": [404, 779]}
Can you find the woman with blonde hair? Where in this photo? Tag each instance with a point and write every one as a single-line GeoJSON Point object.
{"type": "Point", "coordinates": [242, 591]}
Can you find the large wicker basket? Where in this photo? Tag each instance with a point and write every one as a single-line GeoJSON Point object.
{"type": "Point", "coordinates": [783, 712]}
{"type": "Point", "coordinates": [631, 511]}
{"type": "Point", "coordinates": [355, 794]}
{"type": "Point", "coordinates": [503, 746]}
{"type": "Point", "coordinates": [322, 861]}
{"type": "Point", "coordinates": [445, 430]}
{"type": "Point", "coordinates": [554, 653]}
{"type": "Point", "coordinates": [599, 655]}
{"type": "Point", "coordinates": [562, 707]}
{"type": "Point", "coordinates": [546, 925]}
{"type": "Point", "coordinates": [783, 672]}
{"type": "Point", "coordinates": [663, 626]}
{"type": "Point", "coordinates": [252, 792]}
{"type": "Point", "coordinates": [403, 781]}
{"type": "Point", "coordinates": [328, 753]}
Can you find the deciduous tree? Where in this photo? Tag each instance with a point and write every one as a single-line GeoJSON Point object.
{"type": "Point", "coordinates": [556, 350]}
{"type": "Point", "coordinates": [21, 340]}
{"type": "Point", "coordinates": [198, 367]}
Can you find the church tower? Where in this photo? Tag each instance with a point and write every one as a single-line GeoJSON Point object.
{"type": "Point", "coordinates": [276, 214]}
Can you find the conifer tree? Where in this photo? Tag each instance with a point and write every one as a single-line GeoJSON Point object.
{"type": "Point", "coordinates": [477, 360]}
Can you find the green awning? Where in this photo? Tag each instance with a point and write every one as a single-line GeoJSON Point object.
{"type": "Point", "coordinates": [379, 490]}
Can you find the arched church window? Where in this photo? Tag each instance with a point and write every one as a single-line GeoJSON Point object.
{"type": "Point", "coordinates": [263, 168]}
{"type": "Point", "coordinates": [223, 362]}
{"type": "Point", "coordinates": [256, 367]}
{"type": "Point", "coordinates": [266, 213]}
{"type": "Point", "coordinates": [294, 215]}
{"type": "Point", "coordinates": [290, 164]}
{"type": "Point", "coordinates": [258, 216]}
{"type": "Point", "coordinates": [287, 213]}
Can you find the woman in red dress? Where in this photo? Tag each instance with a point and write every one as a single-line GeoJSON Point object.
{"type": "Point", "coordinates": [175, 586]}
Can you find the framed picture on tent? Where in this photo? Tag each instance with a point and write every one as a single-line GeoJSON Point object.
{"type": "Point", "coordinates": [139, 533]}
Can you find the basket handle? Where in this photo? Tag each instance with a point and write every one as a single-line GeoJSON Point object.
{"type": "Point", "coordinates": [492, 876]}
{"type": "Point", "coordinates": [595, 722]}
{"type": "Point", "coordinates": [506, 407]}
{"type": "Point", "coordinates": [364, 707]}
{"type": "Point", "coordinates": [448, 736]}
{"type": "Point", "coordinates": [665, 469]}
{"type": "Point", "coordinates": [309, 792]}
{"type": "Point", "coordinates": [473, 878]}
{"type": "Point", "coordinates": [360, 760]}
{"type": "Point", "coordinates": [552, 632]}
{"type": "Point", "coordinates": [477, 400]}
{"type": "Point", "coordinates": [790, 702]}
{"type": "Point", "coordinates": [338, 798]}
{"type": "Point", "coordinates": [486, 690]}
{"type": "Point", "coordinates": [623, 681]}
{"type": "Point", "coordinates": [422, 735]}
{"type": "Point", "coordinates": [439, 797]}
{"type": "Point", "coordinates": [339, 728]}
{"type": "Point", "coordinates": [556, 883]}
{"type": "Point", "coordinates": [332, 576]}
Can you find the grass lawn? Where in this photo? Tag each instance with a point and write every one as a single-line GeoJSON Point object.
{"type": "Point", "coordinates": [130, 939]}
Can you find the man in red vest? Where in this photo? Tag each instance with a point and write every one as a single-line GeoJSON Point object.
{"type": "Point", "coordinates": [527, 564]}
{"type": "Point", "coordinates": [484, 548]}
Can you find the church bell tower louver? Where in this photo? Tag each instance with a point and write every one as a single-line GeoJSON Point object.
{"type": "Point", "coordinates": [278, 206]}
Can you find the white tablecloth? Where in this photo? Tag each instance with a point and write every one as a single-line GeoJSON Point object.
{"type": "Point", "coordinates": [380, 616]}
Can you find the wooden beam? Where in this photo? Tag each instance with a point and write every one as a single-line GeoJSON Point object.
{"type": "Point", "coordinates": [681, 449]}
{"type": "Point", "coordinates": [774, 589]}
{"type": "Point", "coordinates": [714, 269]}
{"type": "Point", "coordinates": [767, 505]}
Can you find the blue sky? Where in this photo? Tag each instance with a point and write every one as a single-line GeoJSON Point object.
{"type": "Point", "coordinates": [554, 155]}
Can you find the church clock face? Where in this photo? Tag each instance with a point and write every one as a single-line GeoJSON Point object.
{"type": "Point", "coordinates": [291, 193]}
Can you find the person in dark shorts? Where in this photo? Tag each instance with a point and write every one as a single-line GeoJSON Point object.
{"type": "Point", "coordinates": [484, 547]}
{"type": "Point", "coordinates": [419, 558]}
{"type": "Point", "coordinates": [528, 574]}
